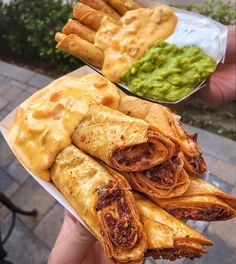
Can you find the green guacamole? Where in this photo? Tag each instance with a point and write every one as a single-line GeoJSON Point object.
{"type": "Point", "coordinates": [167, 72]}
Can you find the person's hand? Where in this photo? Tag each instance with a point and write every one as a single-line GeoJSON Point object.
{"type": "Point", "coordinates": [221, 87]}
{"type": "Point", "coordinates": [75, 245]}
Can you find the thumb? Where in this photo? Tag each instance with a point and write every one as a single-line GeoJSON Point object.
{"type": "Point", "coordinates": [72, 243]}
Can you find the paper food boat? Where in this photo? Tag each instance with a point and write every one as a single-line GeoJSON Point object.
{"type": "Point", "coordinates": [192, 29]}
{"type": "Point", "coordinates": [49, 186]}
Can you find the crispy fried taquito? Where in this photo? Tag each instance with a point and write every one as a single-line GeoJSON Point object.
{"type": "Point", "coordinates": [168, 237]}
{"type": "Point", "coordinates": [122, 6]}
{"type": "Point", "coordinates": [102, 6]}
{"type": "Point", "coordinates": [202, 201]}
{"type": "Point", "coordinates": [75, 27]}
{"type": "Point", "coordinates": [122, 142]}
{"type": "Point", "coordinates": [88, 16]}
{"type": "Point", "coordinates": [166, 180]}
{"type": "Point", "coordinates": [169, 124]}
{"type": "Point", "coordinates": [79, 48]}
{"type": "Point", "coordinates": [104, 201]}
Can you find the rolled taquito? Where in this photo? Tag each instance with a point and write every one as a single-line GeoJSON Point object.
{"type": "Point", "coordinates": [122, 6]}
{"type": "Point", "coordinates": [79, 48]}
{"type": "Point", "coordinates": [122, 142]}
{"type": "Point", "coordinates": [75, 27]}
{"type": "Point", "coordinates": [168, 237]}
{"type": "Point", "coordinates": [88, 16]}
{"type": "Point", "coordinates": [169, 124]}
{"type": "Point", "coordinates": [103, 200]}
{"type": "Point", "coordinates": [102, 6]}
{"type": "Point", "coordinates": [165, 180]}
{"type": "Point", "coordinates": [202, 201]}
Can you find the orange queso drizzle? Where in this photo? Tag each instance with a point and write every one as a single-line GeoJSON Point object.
{"type": "Point", "coordinates": [126, 40]}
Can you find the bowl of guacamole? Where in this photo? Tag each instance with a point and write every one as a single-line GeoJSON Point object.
{"type": "Point", "coordinates": [168, 73]}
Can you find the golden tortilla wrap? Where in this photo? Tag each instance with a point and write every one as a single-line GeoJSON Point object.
{"type": "Point", "coordinates": [202, 201]}
{"type": "Point", "coordinates": [80, 48]}
{"type": "Point", "coordinates": [168, 237]}
{"type": "Point", "coordinates": [104, 201]}
{"type": "Point", "coordinates": [122, 6]}
{"type": "Point", "coordinates": [122, 142]}
{"type": "Point", "coordinates": [75, 27]}
{"type": "Point", "coordinates": [161, 118]}
{"type": "Point", "coordinates": [102, 6]}
{"type": "Point", "coordinates": [88, 16]}
{"type": "Point", "coordinates": [166, 180]}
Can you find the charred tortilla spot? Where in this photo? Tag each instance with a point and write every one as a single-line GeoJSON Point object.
{"type": "Point", "coordinates": [83, 138]}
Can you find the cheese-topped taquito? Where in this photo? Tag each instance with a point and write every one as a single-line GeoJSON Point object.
{"type": "Point", "coordinates": [166, 180]}
{"type": "Point", "coordinates": [168, 237]}
{"type": "Point", "coordinates": [124, 143]}
{"type": "Point", "coordinates": [169, 124]}
{"type": "Point", "coordinates": [202, 201]}
{"type": "Point", "coordinates": [103, 200]}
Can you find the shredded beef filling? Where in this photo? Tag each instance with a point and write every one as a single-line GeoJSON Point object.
{"type": "Point", "coordinates": [194, 137]}
{"type": "Point", "coordinates": [214, 213]}
{"type": "Point", "coordinates": [172, 254]}
{"type": "Point", "coordinates": [164, 174]}
{"type": "Point", "coordinates": [122, 230]}
{"type": "Point", "coordinates": [197, 162]}
{"type": "Point", "coordinates": [134, 154]}
{"type": "Point", "coordinates": [107, 194]}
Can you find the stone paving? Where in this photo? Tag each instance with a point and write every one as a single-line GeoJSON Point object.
{"type": "Point", "coordinates": [33, 238]}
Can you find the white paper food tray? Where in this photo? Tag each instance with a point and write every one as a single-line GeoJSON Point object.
{"type": "Point", "coordinates": [8, 121]}
{"type": "Point", "coordinates": [192, 29]}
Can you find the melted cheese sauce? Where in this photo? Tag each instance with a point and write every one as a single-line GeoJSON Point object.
{"type": "Point", "coordinates": [125, 41]}
{"type": "Point", "coordinates": [45, 122]}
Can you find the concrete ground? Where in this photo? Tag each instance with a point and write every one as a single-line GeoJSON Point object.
{"type": "Point", "coordinates": [33, 238]}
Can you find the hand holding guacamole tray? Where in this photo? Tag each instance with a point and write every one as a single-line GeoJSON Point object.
{"type": "Point", "coordinates": [151, 50]}
{"type": "Point", "coordinates": [42, 131]}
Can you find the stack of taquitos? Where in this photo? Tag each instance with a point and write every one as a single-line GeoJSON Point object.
{"type": "Point", "coordinates": [161, 118]}
{"type": "Point", "coordinates": [202, 201]}
{"type": "Point", "coordinates": [112, 214]}
{"type": "Point", "coordinates": [143, 155]}
{"type": "Point", "coordinates": [109, 208]}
